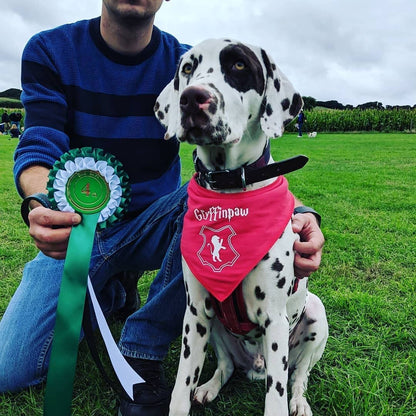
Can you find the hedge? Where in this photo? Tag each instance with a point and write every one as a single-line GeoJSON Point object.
{"type": "Point", "coordinates": [358, 120]}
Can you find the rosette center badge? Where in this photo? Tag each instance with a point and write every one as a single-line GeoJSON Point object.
{"type": "Point", "coordinates": [87, 192]}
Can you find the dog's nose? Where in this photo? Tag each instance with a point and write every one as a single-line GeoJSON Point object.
{"type": "Point", "coordinates": [195, 99]}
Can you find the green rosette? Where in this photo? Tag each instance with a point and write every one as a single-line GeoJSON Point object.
{"type": "Point", "coordinates": [88, 180]}
{"type": "Point", "coordinates": [94, 184]}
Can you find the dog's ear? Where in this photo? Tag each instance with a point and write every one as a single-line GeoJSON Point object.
{"type": "Point", "coordinates": [167, 108]}
{"type": "Point", "coordinates": [281, 102]}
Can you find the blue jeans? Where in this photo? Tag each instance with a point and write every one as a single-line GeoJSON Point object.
{"type": "Point", "coordinates": [150, 241]}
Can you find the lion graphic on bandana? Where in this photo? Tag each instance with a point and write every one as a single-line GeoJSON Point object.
{"type": "Point", "coordinates": [215, 247]}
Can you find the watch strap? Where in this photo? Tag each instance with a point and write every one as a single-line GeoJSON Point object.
{"type": "Point", "coordinates": [25, 208]}
{"type": "Point", "coordinates": [303, 210]}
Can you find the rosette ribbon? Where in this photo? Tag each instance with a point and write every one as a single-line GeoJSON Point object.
{"type": "Point", "coordinates": [93, 184]}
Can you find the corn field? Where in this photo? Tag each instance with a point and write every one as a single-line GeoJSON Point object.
{"type": "Point", "coordinates": [389, 120]}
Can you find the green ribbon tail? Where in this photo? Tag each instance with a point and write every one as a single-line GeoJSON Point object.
{"type": "Point", "coordinates": [59, 385]}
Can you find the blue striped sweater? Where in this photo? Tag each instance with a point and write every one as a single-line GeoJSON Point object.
{"type": "Point", "coordinates": [78, 92]}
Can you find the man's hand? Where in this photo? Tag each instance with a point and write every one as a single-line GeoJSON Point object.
{"type": "Point", "coordinates": [50, 230]}
{"type": "Point", "coordinates": [308, 249]}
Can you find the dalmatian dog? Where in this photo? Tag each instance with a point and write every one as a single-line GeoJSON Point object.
{"type": "Point", "coordinates": [229, 99]}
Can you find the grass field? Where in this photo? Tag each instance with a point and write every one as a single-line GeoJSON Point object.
{"type": "Point", "coordinates": [364, 185]}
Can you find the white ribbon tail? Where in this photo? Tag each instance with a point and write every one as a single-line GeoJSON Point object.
{"type": "Point", "coordinates": [126, 375]}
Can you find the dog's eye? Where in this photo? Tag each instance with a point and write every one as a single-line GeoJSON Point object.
{"type": "Point", "coordinates": [187, 69]}
{"type": "Point", "coordinates": [239, 65]}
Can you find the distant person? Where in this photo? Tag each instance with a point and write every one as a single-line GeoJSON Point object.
{"type": "Point", "coordinates": [6, 120]}
{"type": "Point", "coordinates": [16, 118]}
{"type": "Point", "coordinates": [14, 132]}
{"type": "Point", "coordinates": [301, 120]}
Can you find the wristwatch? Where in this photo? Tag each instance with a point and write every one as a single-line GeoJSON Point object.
{"type": "Point", "coordinates": [25, 209]}
{"type": "Point", "coordinates": [303, 210]}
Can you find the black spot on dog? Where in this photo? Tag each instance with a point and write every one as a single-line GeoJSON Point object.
{"type": "Point", "coordinates": [201, 329]}
{"type": "Point", "coordinates": [277, 266]}
{"type": "Point", "coordinates": [210, 70]}
{"type": "Point", "coordinates": [310, 338]}
{"type": "Point", "coordinates": [258, 312]}
{"type": "Point", "coordinates": [196, 375]}
{"type": "Point", "coordinates": [296, 105]}
{"type": "Point", "coordinates": [156, 107]}
{"type": "Point", "coordinates": [285, 363]}
{"type": "Point", "coordinates": [193, 310]}
{"type": "Point", "coordinates": [267, 64]}
{"type": "Point", "coordinates": [280, 389]}
{"type": "Point", "coordinates": [267, 323]}
{"type": "Point", "coordinates": [187, 349]}
{"type": "Point", "coordinates": [260, 295]}
{"type": "Point", "coordinates": [208, 303]}
{"type": "Point", "coordinates": [250, 77]}
{"type": "Point", "coordinates": [275, 346]}
{"type": "Point", "coordinates": [161, 115]}
{"type": "Point", "coordinates": [186, 329]}
{"type": "Point", "coordinates": [188, 380]}
{"type": "Point", "coordinates": [269, 383]}
{"type": "Point", "coordinates": [259, 333]}
{"type": "Point", "coordinates": [212, 108]}
{"type": "Point", "coordinates": [281, 282]}
{"type": "Point", "coordinates": [285, 104]}
{"type": "Point", "coordinates": [266, 257]}
{"type": "Point", "coordinates": [288, 253]}
{"type": "Point", "coordinates": [277, 84]}
{"type": "Point", "coordinates": [269, 109]}
{"type": "Point", "coordinates": [176, 78]}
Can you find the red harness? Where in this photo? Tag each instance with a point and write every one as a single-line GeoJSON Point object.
{"type": "Point", "coordinates": [232, 312]}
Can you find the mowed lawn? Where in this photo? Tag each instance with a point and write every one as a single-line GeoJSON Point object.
{"type": "Point", "coordinates": [364, 185]}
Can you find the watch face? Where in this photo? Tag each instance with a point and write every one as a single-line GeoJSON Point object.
{"type": "Point", "coordinates": [87, 191]}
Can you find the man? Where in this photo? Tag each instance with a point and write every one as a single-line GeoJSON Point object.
{"type": "Point", "coordinates": [301, 120]}
{"type": "Point", "coordinates": [94, 83]}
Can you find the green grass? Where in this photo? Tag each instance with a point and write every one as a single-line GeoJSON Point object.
{"type": "Point", "coordinates": [364, 185]}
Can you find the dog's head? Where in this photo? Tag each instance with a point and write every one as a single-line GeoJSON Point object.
{"type": "Point", "coordinates": [223, 90]}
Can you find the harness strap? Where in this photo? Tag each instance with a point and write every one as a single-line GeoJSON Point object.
{"type": "Point", "coordinates": [232, 312]}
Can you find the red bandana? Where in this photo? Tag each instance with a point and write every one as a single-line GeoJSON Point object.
{"type": "Point", "coordinates": [226, 235]}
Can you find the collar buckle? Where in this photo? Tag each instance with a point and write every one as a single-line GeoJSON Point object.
{"type": "Point", "coordinates": [209, 177]}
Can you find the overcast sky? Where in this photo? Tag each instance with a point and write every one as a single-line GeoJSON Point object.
{"type": "Point", "coordinates": [352, 51]}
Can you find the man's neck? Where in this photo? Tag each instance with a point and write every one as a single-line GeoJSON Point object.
{"type": "Point", "coordinates": [125, 39]}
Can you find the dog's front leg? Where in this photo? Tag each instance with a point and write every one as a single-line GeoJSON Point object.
{"type": "Point", "coordinates": [276, 348]}
{"type": "Point", "coordinates": [195, 336]}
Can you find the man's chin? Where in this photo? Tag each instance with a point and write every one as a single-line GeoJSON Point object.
{"type": "Point", "coordinates": [132, 13]}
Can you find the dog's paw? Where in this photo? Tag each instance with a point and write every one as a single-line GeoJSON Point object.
{"type": "Point", "coordinates": [299, 406]}
{"type": "Point", "coordinates": [204, 394]}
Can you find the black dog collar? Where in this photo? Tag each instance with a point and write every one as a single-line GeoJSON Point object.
{"type": "Point", "coordinates": [258, 171]}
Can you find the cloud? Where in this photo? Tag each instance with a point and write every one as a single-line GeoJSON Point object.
{"type": "Point", "coordinates": [352, 51]}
